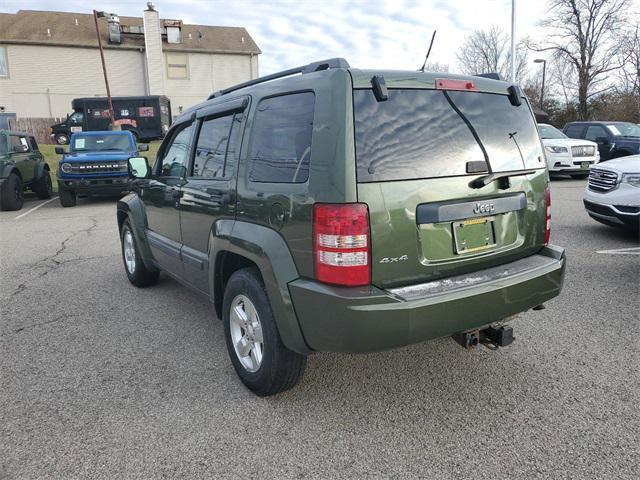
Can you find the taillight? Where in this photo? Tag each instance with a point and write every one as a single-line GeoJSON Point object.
{"type": "Point", "coordinates": [341, 243]}
{"type": "Point", "coordinates": [547, 225]}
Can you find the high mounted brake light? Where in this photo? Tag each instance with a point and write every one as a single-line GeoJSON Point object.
{"type": "Point", "coordinates": [451, 84]}
{"type": "Point", "coordinates": [341, 246]}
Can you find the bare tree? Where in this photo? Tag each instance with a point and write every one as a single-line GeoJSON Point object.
{"type": "Point", "coordinates": [582, 34]}
{"type": "Point", "coordinates": [436, 67]}
{"type": "Point", "coordinates": [630, 60]}
{"type": "Point", "coordinates": [489, 51]}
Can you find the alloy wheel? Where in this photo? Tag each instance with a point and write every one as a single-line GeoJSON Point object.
{"type": "Point", "coordinates": [129, 252]}
{"type": "Point", "coordinates": [246, 333]}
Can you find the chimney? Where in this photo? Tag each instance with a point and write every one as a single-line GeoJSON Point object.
{"type": "Point", "coordinates": [153, 50]}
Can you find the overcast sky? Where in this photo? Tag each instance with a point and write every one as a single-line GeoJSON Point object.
{"type": "Point", "coordinates": [377, 34]}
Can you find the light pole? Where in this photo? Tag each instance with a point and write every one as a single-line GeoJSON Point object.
{"type": "Point", "coordinates": [112, 123]}
{"type": "Point", "coordinates": [513, 41]}
{"type": "Point", "coordinates": [544, 70]}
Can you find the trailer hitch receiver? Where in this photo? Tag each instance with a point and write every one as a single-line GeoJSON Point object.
{"type": "Point", "coordinates": [491, 337]}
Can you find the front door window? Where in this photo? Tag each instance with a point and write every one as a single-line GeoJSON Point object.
{"type": "Point", "coordinates": [175, 156]}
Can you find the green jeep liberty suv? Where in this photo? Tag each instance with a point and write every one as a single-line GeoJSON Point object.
{"type": "Point", "coordinates": [326, 208]}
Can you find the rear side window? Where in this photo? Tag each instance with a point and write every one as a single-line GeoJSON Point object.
{"type": "Point", "coordinates": [574, 131]}
{"type": "Point", "coordinates": [429, 133]}
{"type": "Point", "coordinates": [211, 149]}
{"type": "Point", "coordinates": [33, 143]}
{"type": "Point", "coordinates": [594, 132]}
{"type": "Point", "coordinates": [3, 145]}
{"type": "Point", "coordinates": [281, 142]}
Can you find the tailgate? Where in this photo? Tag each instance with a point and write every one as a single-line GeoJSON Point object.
{"type": "Point", "coordinates": [428, 221]}
{"type": "Point", "coordinates": [427, 229]}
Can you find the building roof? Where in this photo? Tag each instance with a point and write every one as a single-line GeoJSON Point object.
{"type": "Point", "coordinates": [33, 27]}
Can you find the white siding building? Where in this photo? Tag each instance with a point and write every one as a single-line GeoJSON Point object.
{"type": "Point", "coordinates": [49, 58]}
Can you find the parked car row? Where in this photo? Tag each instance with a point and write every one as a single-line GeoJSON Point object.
{"type": "Point", "coordinates": [404, 212]}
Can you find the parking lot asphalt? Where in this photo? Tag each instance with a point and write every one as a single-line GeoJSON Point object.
{"type": "Point", "coordinates": [99, 379]}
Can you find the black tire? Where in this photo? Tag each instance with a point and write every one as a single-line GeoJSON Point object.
{"type": "Point", "coordinates": [68, 198]}
{"type": "Point", "coordinates": [43, 187]}
{"type": "Point", "coordinates": [12, 195]}
{"type": "Point", "coordinates": [280, 368]}
{"type": "Point", "coordinates": [139, 275]}
{"type": "Point", "coordinates": [579, 176]}
{"type": "Point", "coordinates": [62, 138]}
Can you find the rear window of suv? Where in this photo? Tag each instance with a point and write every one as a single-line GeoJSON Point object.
{"type": "Point", "coordinates": [428, 133]}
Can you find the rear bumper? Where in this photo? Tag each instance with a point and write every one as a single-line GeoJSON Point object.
{"type": "Point", "coordinates": [98, 186]}
{"type": "Point", "coordinates": [369, 319]}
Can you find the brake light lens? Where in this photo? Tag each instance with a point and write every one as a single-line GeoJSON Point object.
{"type": "Point", "coordinates": [547, 226]}
{"type": "Point", "coordinates": [451, 84]}
{"type": "Point", "coordinates": [341, 243]}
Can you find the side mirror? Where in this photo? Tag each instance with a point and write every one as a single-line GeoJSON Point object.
{"type": "Point", "coordinates": [60, 151]}
{"type": "Point", "coordinates": [138, 167]}
{"type": "Point", "coordinates": [602, 140]}
{"type": "Point", "coordinates": [143, 147]}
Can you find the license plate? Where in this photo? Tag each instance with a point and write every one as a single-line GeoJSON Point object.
{"type": "Point", "coordinates": [585, 165]}
{"type": "Point", "coordinates": [75, 129]}
{"type": "Point", "coordinates": [474, 235]}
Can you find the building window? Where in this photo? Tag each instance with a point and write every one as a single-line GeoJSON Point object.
{"type": "Point", "coordinates": [4, 65]}
{"type": "Point", "coordinates": [177, 65]}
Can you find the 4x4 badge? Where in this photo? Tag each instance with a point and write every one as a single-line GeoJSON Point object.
{"type": "Point", "coordinates": [394, 259]}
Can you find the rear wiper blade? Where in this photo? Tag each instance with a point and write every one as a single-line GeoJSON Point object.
{"type": "Point", "coordinates": [492, 177]}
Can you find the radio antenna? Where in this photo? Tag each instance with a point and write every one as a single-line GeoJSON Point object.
{"type": "Point", "coordinates": [428, 52]}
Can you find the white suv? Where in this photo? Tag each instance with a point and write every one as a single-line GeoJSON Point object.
{"type": "Point", "coordinates": [612, 195]}
{"type": "Point", "coordinates": [567, 155]}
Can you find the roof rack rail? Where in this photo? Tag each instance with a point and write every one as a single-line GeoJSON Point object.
{"type": "Point", "coordinates": [491, 75]}
{"type": "Point", "coordinates": [310, 68]}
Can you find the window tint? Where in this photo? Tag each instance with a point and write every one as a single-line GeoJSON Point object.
{"type": "Point", "coordinates": [176, 154]}
{"type": "Point", "coordinates": [211, 148]}
{"type": "Point", "coordinates": [574, 131]}
{"type": "Point", "coordinates": [428, 133]}
{"type": "Point", "coordinates": [595, 131]}
{"type": "Point", "coordinates": [3, 144]}
{"type": "Point", "coordinates": [281, 141]}
{"type": "Point", "coordinates": [33, 143]}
